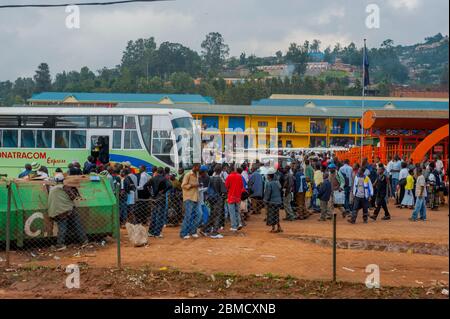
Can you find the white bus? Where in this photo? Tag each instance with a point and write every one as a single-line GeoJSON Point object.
{"type": "Point", "coordinates": [57, 136]}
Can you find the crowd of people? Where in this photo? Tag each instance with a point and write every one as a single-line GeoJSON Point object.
{"type": "Point", "coordinates": [203, 200]}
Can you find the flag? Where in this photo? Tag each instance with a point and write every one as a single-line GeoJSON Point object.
{"type": "Point", "coordinates": [366, 67]}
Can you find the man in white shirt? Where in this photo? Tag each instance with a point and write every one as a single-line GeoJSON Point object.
{"type": "Point", "coordinates": [143, 177]}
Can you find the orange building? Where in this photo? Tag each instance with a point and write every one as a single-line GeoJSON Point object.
{"type": "Point", "coordinates": [414, 133]}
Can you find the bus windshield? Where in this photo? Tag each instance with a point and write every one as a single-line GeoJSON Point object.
{"type": "Point", "coordinates": [184, 136]}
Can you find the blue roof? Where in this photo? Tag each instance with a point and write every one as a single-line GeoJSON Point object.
{"type": "Point", "coordinates": [120, 97]}
{"type": "Point", "coordinates": [375, 104]}
{"type": "Point", "coordinates": [317, 56]}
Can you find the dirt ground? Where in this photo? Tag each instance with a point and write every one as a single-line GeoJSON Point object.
{"type": "Point", "coordinates": [38, 283]}
{"type": "Point", "coordinates": [302, 251]}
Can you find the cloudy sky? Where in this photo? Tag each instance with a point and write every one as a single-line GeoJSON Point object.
{"type": "Point", "coordinates": [31, 36]}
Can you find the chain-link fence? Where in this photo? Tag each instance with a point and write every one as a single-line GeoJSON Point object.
{"type": "Point", "coordinates": [102, 224]}
{"type": "Point", "coordinates": [48, 223]}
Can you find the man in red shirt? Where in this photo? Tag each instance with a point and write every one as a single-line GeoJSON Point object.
{"type": "Point", "coordinates": [235, 188]}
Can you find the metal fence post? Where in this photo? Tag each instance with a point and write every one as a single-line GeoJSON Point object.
{"type": "Point", "coordinates": [119, 253]}
{"type": "Point", "coordinates": [8, 226]}
{"type": "Point", "coordinates": [334, 246]}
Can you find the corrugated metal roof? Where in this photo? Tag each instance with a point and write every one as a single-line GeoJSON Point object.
{"type": "Point", "coordinates": [409, 114]}
{"type": "Point", "coordinates": [258, 110]}
{"type": "Point", "coordinates": [356, 103]}
{"type": "Point", "coordinates": [119, 97]}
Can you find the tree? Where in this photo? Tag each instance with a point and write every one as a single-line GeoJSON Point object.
{"type": "Point", "coordinates": [337, 48]}
{"type": "Point", "coordinates": [279, 55]}
{"type": "Point", "coordinates": [328, 55]}
{"type": "Point", "coordinates": [61, 82]}
{"type": "Point", "coordinates": [298, 55]}
{"type": "Point", "coordinates": [174, 57]}
{"type": "Point", "coordinates": [138, 55]}
{"type": "Point", "coordinates": [232, 62]}
{"type": "Point", "coordinates": [315, 46]}
{"type": "Point", "coordinates": [23, 87]}
{"type": "Point", "coordinates": [243, 59]}
{"type": "Point", "coordinates": [214, 52]}
{"type": "Point", "coordinates": [387, 44]}
{"type": "Point", "coordinates": [182, 82]}
{"type": "Point", "coordinates": [438, 37]}
{"type": "Point", "coordinates": [42, 78]}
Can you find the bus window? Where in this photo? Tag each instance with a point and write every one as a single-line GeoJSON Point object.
{"type": "Point", "coordinates": [130, 123]}
{"type": "Point", "coordinates": [93, 121]}
{"type": "Point", "coordinates": [184, 135]}
{"type": "Point", "coordinates": [163, 142]}
{"type": "Point", "coordinates": [131, 141]}
{"type": "Point", "coordinates": [36, 139]}
{"type": "Point", "coordinates": [37, 121]}
{"type": "Point", "coordinates": [9, 121]}
{"type": "Point", "coordinates": [117, 140]}
{"type": "Point", "coordinates": [44, 139]}
{"type": "Point", "coordinates": [145, 123]}
{"type": "Point", "coordinates": [117, 121]}
{"type": "Point", "coordinates": [62, 139]}
{"type": "Point", "coordinates": [78, 139]}
{"type": "Point", "coordinates": [10, 138]}
{"type": "Point", "coordinates": [104, 121]}
{"type": "Point", "coordinates": [28, 139]}
{"type": "Point", "coordinates": [71, 121]}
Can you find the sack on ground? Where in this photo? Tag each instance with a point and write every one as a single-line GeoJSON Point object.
{"type": "Point", "coordinates": [339, 198]}
{"type": "Point", "coordinates": [137, 234]}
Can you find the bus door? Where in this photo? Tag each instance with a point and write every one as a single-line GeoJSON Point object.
{"type": "Point", "coordinates": [100, 144]}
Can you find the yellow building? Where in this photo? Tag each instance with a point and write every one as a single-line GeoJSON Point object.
{"type": "Point", "coordinates": [296, 127]}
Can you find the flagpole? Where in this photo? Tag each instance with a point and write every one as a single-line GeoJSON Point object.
{"type": "Point", "coordinates": [363, 99]}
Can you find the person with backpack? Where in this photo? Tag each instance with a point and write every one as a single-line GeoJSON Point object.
{"type": "Point", "coordinates": [373, 175]}
{"type": "Point", "coordinates": [318, 180]}
{"type": "Point", "coordinates": [127, 196]}
{"type": "Point", "coordinates": [434, 181]}
{"type": "Point", "coordinates": [324, 195]}
{"type": "Point", "coordinates": [215, 197]}
{"type": "Point", "coordinates": [203, 214]}
{"type": "Point", "coordinates": [89, 165]}
{"type": "Point", "coordinates": [160, 186]}
{"type": "Point", "coordinates": [300, 188]}
{"type": "Point", "coordinates": [273, 199]}
{"type": "Point", "coordinates": [362, 191]}
{"type": "Point", "coordinates": [288, 190]}
{"type": "Point", "coordinates": [256, 190]}
{"type": "Point", "coordinates": [347, 172]}
{"type": "Point", "coordinates": [381, 186]}
{"type": "Point", "coordinates": [337, 188]}
{"type": "Point", "coordinates": [395, 168]}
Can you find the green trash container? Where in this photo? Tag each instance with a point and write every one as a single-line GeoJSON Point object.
{"type": "Point", "coordinates": [98, 210]}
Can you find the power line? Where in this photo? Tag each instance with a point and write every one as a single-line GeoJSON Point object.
{"type": "Point", "coordinates": [11, 6]}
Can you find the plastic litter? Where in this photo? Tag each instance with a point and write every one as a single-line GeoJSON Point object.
{"type": "Point", "coordinates": [268, 256]}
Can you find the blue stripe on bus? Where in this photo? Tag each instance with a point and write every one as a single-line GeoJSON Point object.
{"type": "Point", "coordinates": [135, 162]}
